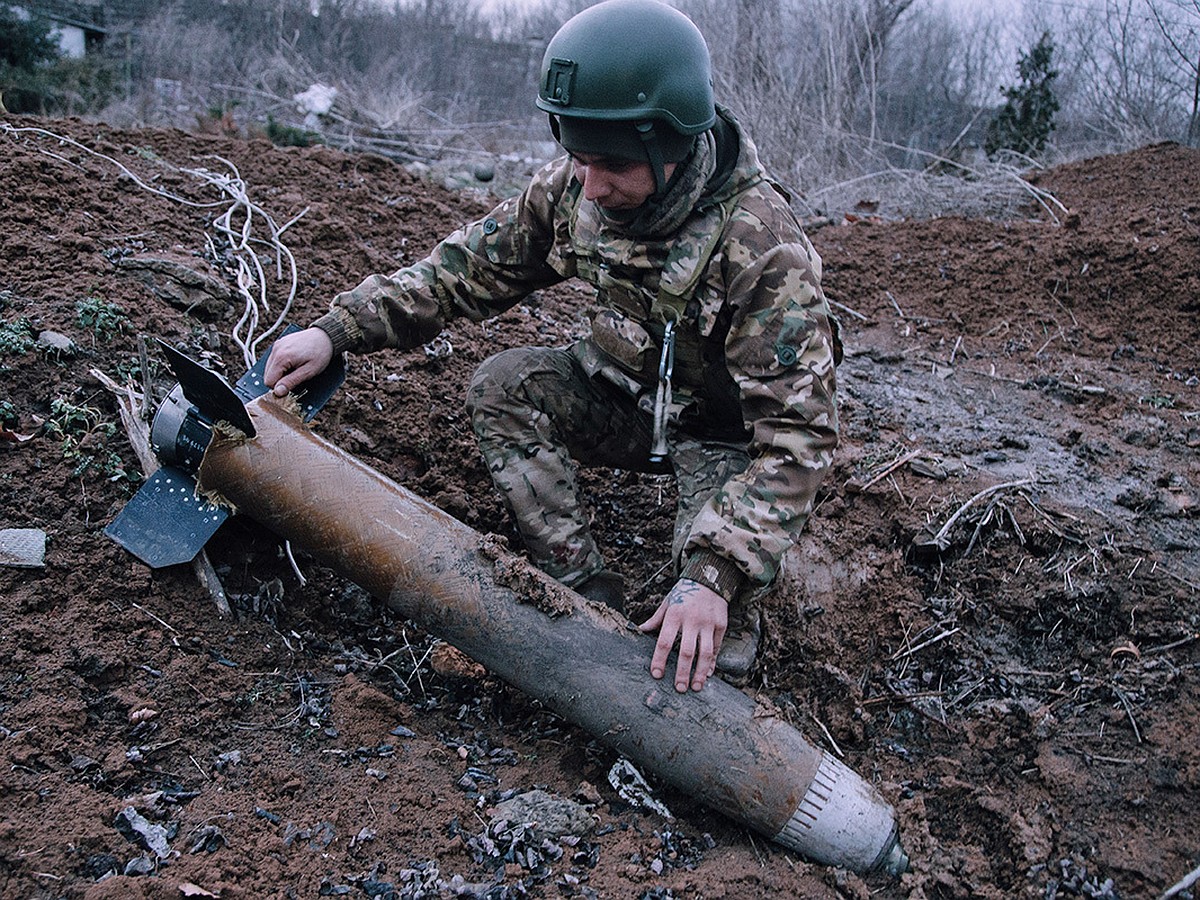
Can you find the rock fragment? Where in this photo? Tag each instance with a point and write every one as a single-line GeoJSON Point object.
{"type": "Point", "coordinates": [23, 548]}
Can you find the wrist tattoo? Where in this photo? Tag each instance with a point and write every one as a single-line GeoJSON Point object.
{"type": "Point", "coordinates": [683, 590]}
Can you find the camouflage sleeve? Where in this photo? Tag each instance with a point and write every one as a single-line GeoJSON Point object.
{"type": "Point", "coordinates": [781, 351]}
{"type": "Point", "coordinates": [479, 271]}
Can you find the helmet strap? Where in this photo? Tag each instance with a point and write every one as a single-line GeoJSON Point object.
{"type": "Point", "coordinates": [654, 154]}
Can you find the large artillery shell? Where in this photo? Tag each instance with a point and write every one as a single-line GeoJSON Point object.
{"type": "Point", "coordinates": [542, 638]}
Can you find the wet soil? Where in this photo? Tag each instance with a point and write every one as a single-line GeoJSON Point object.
{"type": "Point", "coordinates": [994, 615]}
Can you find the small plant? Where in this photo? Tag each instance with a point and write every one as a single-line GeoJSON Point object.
{"type": "Point", "coordinates": [282, 135]}
{"type": "Point", "coordinates": [68, 420]}
{"type": "Point", "coordinates": [1159, 401]}
{"type": "Point", "coordinates": [16, 337]}
{"type": "Point", "coordinates": [8, 414]}
{"type": "Point", "coordinates": [104, 319]}
{"type": "Point", "coordinates": [130, 371]}
{"type": "Point", "coordinates": [84, 436]}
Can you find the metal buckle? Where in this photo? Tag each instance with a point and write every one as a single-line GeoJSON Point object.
{"type": "Point", "coordinates": [662, 396]}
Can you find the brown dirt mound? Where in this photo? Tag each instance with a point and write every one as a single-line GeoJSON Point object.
{"type": "Point", "coordinates": [1018, 674]}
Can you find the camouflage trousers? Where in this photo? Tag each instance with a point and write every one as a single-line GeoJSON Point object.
{"type": "Point", "coordinates": [538, 415]}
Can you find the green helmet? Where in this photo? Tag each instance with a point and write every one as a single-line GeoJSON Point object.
{"type": "Point", "coordinates": [629, 60]}
{"type": "Point", "coordinates": [634, 72]}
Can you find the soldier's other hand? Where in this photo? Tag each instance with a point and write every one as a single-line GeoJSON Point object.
{"type": "Point", "coordinates": [697, 616]}
{"type": "Point", "coordinates": [297, 357]}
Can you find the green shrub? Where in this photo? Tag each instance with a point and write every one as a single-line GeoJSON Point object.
{"type": "Point", "coordinates": [27, 48]}
{"type": "Point", "coordinates": [289, 136]}
{"type": "Point", "coordinates": [1025, 121]}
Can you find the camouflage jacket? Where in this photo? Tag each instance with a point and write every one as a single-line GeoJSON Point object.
{"type": "Point", "coordinates": [755, 345]}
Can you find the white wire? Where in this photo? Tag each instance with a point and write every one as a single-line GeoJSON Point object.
{"type": "Point", "coordinates": [250, 277]}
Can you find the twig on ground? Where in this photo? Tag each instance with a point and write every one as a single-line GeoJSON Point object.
{"type": "Point", "coordinates": [1045, 199]}
{"type": "Point", "coordinates": [1181, 579]}
{"type": "Point", "coordinates": [828, 736]}
{"type": "Point", "coordinates": [954, 352]}
{"type": "Point", "coordinates": [899, 654]}
{"type": "Point", "coordinates": [1115, 760]}
{"type": "Point", "coordinates": [993, 376]}
{"type": "Point", "coordinates": [889, 469]}
{"type": "Point", "coordinates": [940, 540]}
{"type": "Point", "coordinates": [165, 624]}
{"type": "Point", "coordinates": [1163, 648]}
{"type": "Point", "coordinates": [1128, 711]}
{"type": "Point", "coordinates": [287, 548]}
{"type": "Point", "coordinates": [1182, 884]}
{"type": "Point", "coordinates": [762, 863]}
{"type": "Point", "coordinates": [417, 663]}
{"type": "Point", "coordinates": [848, 311]}
{"type": "Point", "coordinates": [1049, 341]}
{"type": "Point", "coordinates": [909, 701]}
{"type": "Point", "coordinates": [983, 520]}
{"type": "Point", "coordinates": [1050, 523]}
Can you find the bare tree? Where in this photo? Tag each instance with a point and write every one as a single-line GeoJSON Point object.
{"type": "Point", "coordinates": [802, 74]}
{"type": "Point", "coordinates": [939, 79]}
{"type": "Point", "coordinates": [1120, 85]}
{"type": "Point", "coordinates": [1178, 22]}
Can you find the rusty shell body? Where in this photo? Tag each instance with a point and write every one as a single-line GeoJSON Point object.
{"type": "Point", "coordinates": [539, 636]}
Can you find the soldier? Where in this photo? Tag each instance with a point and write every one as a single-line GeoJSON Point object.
{"type": "Point", "coordinates": [711, 355]}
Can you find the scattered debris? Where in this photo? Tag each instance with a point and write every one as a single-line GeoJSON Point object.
{"type": "Point", "coordinates": [136, 829]}
{"type": "Point", "coordinates": [101, 865]}
{"type": "Point", "coordinates": [678, 851]}
{"type": "Point", "coordinates": [227, 760]}
{"type": "Point", "coordinates": [182, 282]}
{"type": "Point", "coordinates": [319, 837]}
{"type": "Point", "coordinates": [12, 437]}
{"type": "Point", "coordinates": [207, 838]}
{"type": "Point", "coordinates": [140, 865]}
{"type": "Point", "coordinates": [940, 541]}
{"type": "Point", "coordinates": [633, 789]}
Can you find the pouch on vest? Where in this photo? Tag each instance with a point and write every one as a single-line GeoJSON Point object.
{"type": "Point", "coordinates": [623, 340]}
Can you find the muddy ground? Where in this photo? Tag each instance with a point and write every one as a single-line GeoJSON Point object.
{"type": "Point", "coordinates": [1019, 675]}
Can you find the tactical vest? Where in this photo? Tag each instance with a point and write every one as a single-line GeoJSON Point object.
{"type": "Point", "coordinates": [643, 285]}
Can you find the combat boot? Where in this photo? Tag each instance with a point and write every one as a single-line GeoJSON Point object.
{"type": "Point", "coordinates": [605, 586]}
{"type": "Point", "coordinates": [739, 649]}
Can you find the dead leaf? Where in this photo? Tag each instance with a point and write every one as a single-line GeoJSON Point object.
{"type": "Point", "coordinates": [12, 437]}
{"type": "Point", "coordinates": [1126, 649]}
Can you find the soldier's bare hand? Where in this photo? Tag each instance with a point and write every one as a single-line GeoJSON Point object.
{"type": "Point", "coordinates": [297, 357]}
{"type": "Point", "coordinates": [697, 616]}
